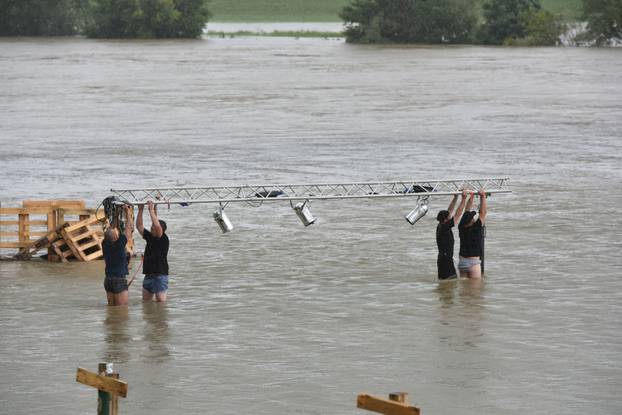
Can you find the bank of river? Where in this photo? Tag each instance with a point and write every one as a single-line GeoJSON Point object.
{"type": "Point", "coordinates": [275, 27]}
{"type": "Point", "coordinates": [294, 29]}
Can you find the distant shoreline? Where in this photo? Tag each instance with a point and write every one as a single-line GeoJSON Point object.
{"type": "Point", "coordinates": [276, 33]}
{"type": "Point", "coordinates": [276, 29]}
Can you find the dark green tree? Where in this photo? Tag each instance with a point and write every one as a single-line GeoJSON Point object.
{"type": "Point", "coordinates": [193, 17]}
{"type": "Point", "coordinates": [147, 18]}
{"type": "Point", "coordinates": [410, 21]}
{"type": "Point", "coordinates": [157, 19]}
{"type": "Point", "coordinates": [506, 19]}
{"type": "Point", "coordinates": [543, 29]}
{"type": "Point", "coordinates": [39, 17]}
{"type": "Point", "coordinates": [114, 19]}
{"type": "Point", "coordinates": [604, 19]}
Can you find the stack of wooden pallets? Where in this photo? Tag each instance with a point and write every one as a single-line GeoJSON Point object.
{"type": "Point", "coordinates": [65, 240]}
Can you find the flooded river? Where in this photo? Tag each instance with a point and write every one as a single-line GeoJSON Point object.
{"type": "Point", "coordinates": [274, 318]}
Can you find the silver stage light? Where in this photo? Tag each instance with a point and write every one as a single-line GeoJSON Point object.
{"type": "Point", "coordinates": [223, 220]}
{"type": "Point", "coordinates": [303, 212]}
{"type": "Point", "coordinates": [418, 212]}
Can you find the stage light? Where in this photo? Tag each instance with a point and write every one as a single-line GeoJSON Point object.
{"type": "Point", "coordinates": [303, 212]}
{"type": "Point", "coordinates": [222, 220]}
{"type": "Point", "coordinates": [418, 212]}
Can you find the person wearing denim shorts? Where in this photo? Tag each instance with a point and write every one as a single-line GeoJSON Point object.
{"type": "Point", "coordinates": [155, 262]}
{"type": "Point", "coordinates": [470, 230]}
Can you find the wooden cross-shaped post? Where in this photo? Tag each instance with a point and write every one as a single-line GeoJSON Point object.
{"type": "Point", "coordinates": [397, 404]}
{"type": "Point", "coordinates": [108, 385]}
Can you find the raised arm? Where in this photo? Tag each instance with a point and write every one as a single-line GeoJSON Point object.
{"type": "Point", "coordinates": [469, 204]}
{"type": "Point", "coordinates": [156, 229]}
{"type": "Point", "coordinates": [129, 222]}
{"type": "Point", "coordinates": [139, 220]}
{"type": "Point", "coordinates": [460, 209]}
{"type": "Point", "coordinates": [115, 223]}
{"type": "Point", "coordinates": [452, 205]}
{"type": "Point", "coordinates": [482, 206]}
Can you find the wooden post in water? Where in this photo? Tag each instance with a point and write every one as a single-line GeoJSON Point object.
{"type": "Point", "coordinates": [108, 386]}
{"type": "Point", "coordinates": [23, 228]}
{"type": "Point", "coordinates": [103, 397]}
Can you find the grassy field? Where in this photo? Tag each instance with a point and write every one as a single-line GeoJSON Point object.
{"type": "Point", "coordinates": [276, 10]}
{"type": "Point", "coordinates": [325, 10]}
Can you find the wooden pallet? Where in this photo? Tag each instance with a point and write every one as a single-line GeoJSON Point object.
{"type": "Point", "coordinates": [83, 240]}
{"type": "Point", "coordinates": [44, 242]}
{"type": "Point", "coordinates": [62, 251]}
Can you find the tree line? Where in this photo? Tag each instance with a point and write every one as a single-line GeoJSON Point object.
{"type": "Point", "coordinates": [104, 18]}
{"type": "Point", "coordinates": [494, 22]}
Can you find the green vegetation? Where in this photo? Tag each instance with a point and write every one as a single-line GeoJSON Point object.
{"type": "Point", "coordinates": [408, 21]}
{"type": "Point", "coordinates": [519, 22]}
{"type": "Point", "coordinates": [604, 19]}
{"type": "Point", "coordinates": [542, 28]}
{"type": "Point", "coordinates": [39, 17]}
{"type": "Point", "coordinates": [146, 18]}
{"type": "Point", "coordinates": [512, 22]}
{"type": "Point", "coordinates": [515, 22]}
{"type": "Point", "coordinates": [328, 10]}
{"type": "Point", "coordinates": [104, 18]}
{"type": "Point", "coordinates": [276, 10]}
{"type": "Point", "coordinates": [506, 19]}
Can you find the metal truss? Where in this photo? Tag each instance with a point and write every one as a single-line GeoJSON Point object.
{"type": "Point", "coordinates": [298, 192]}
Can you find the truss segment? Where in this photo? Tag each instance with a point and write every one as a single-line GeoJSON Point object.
{"type": "Point", "coordinates": [323, 191]}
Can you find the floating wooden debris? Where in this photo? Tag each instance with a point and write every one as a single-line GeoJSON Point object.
{"type": "Point", "coordinates": [397, 404]}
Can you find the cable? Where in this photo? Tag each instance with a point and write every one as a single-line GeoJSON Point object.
{"type": "Point", "coordinates": [111, 210]}
{"type": "Point", "coordinates": [142, 257]}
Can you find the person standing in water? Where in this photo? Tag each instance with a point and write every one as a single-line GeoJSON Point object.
{"type": "Point", "coordinates": [445, 237]}
{"type": "Point", "coordinates": [155, 262]}
{"type": "Point", "coordinates": [116, 259]}
{"type": "Point", "coordinates": [470, 230]}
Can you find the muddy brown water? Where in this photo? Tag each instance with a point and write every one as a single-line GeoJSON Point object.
{"type": "Point", "coordinates": [278, 319]}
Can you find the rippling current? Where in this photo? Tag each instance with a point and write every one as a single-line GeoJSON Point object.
{"type": "Point", "coordinates": [274, 318]}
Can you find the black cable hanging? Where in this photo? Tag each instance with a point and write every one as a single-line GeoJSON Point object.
{"type": "Point", "coordinates": [113, 213]}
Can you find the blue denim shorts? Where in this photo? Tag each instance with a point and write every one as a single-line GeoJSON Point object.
{"type": "Point", "coordinates": [155, 283]}
{"type": "Point", "coordinates": [465, 264]}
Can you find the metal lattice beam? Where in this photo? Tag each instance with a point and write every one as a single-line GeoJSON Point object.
{"type": "Point", "coordinates": [324, 191]}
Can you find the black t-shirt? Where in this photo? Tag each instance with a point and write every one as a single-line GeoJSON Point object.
{"type": "Point", "coordinates": [471, 239]}
{"type": "Point", "coordinates": [115, 257]}
{"type": "Point", "coordinates": [156, 251]}
{"type": "Point", "coordinates": [445, 238]}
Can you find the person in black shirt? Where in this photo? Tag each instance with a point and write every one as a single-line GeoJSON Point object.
{"type": "Point", "coordinates": [155, 262]}
{"type": "Point", "coordinates": [470, 230]}
{"type": "Point", "coordinates": [445, 237]}
{"type": "Point", "coordinates": [116, 259]}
